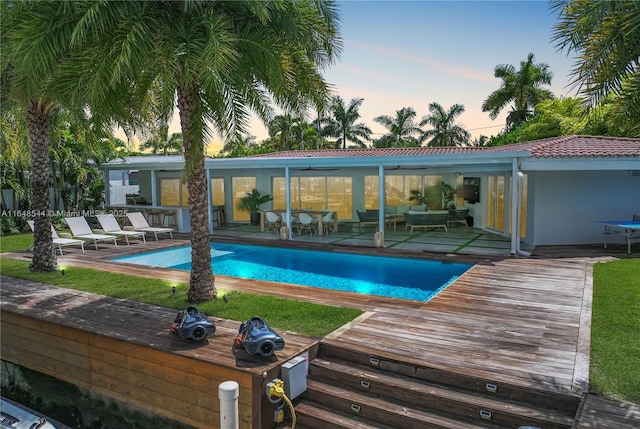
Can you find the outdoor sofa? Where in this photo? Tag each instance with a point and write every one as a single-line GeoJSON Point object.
{"type": "Point", "coordinates": [429, 219]}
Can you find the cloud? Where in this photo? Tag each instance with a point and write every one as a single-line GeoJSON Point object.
{"type": "Point", "coordinates": [441, 66]}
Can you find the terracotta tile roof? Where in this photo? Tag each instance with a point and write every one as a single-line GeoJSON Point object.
{"type": "Point", "coordinates": [578, 147]}
{"type": "Point", "coordinates": [347, 153]}
{"type": "Point", "coordinates": [573, 146]}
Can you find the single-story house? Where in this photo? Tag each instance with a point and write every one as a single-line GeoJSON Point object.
{"type": "Point", "coordinates": [553, 190]}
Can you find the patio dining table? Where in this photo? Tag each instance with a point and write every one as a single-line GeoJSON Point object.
{"type": "Point", "coordinates": [317, 214]}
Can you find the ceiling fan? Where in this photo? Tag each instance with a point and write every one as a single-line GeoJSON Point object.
{"type": "Point", "coordinates": [316, 169]}
{"type": "Point", "coordinates": [398, 167]}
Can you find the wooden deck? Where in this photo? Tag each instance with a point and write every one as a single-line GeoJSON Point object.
{"type": "Point", "coordinates": [124, 350]}
{"type": "Point", "coordinates": [600, 413]}
{"type": "Point", "coordinates": [517, 322]}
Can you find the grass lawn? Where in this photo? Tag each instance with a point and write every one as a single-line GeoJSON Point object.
{"type": "Point", "coordinates": [302, 317]}
{"type": "Point", "coordinates": [615, 330]}
{"type": "Point", "coordinates": [15, 243]}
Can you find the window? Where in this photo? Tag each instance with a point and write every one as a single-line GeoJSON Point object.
{"type": "Point", "coordinates": [240, 187]}
{"type": "Point", "coordinates": [316, 193]}
{"type": "Point", "coordinates": [217, 191]}
{"type": "Point", "coordinates": [173, 193]}
{"type": "Point", "coordinates": [398, 190]}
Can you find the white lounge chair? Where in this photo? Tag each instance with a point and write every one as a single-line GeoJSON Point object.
{"type": "Point", "coordinates": [81, 229]}
{"type": "Point", "coordinates": [110, 226]}
{"type": "Point", "coordinates": [57, 240]}
{"type": "Point", "coordinates": [139, 223]}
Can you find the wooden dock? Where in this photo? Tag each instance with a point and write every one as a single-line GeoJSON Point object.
{"type": "Point", "coordinates": [124, 350]}
{"type": "Point", "coordinates": [522, 325]}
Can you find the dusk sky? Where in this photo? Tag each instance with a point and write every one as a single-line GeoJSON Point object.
{"type": "Point", "coordinates": [411, 53]}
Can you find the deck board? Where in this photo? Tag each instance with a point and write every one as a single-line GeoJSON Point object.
{"type": "Point", "coordinates": [512, 320]}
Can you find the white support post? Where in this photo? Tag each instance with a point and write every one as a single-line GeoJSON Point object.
{"type": "Point", "coordinates": [210, 203]}
{"type": "Point", "coordinates": [378, 237]}
{"type": "Point", "coordinates": [287, 200]}
{"type": "Point", "coordinates": [228, 392]}
{"type": "Point", "coordinates": [154, 189]}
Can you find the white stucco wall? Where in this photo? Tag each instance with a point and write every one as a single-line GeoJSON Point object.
{"type": "Point", "coordinates": [565, 204]}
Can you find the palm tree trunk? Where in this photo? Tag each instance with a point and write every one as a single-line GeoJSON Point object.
{"type": "Point", "coordinates": [201, 282]}
{"type": "Point", "coordinates": [44, 257]}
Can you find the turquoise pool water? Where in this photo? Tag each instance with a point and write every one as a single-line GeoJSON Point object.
{"type": "Point", "coordinates": [415, 279]}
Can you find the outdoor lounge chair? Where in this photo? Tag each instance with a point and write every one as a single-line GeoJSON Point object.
{"type": "Point", "coordinates": [59, 241]}
{"type": "Point", "coordinates": [110, 226]}
{"type": "Point", "coordinates": [81, 229]}
{"type": "Point", "coordinates": [140, 224]}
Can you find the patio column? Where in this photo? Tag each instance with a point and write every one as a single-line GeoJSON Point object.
{"type": "Point", "coordinates": [517, 180]}
{"type": "Point", "coordinates": [378, 236]}
{"type": "Point", "coordinates": [381, 199]}
{"type": "Point", "coordinates": [287, 198]}
{"type": "Point", "coordinates": [154, 191]}
{"type": "Point", "coordinates": [209, 202]}
{"type": "Point", "coordinates": [107, 188]}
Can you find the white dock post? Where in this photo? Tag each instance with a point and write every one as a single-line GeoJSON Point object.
{"type": "Point", "coordinates": [228, 392]}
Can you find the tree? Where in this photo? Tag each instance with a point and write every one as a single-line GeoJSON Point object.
{"type": "Point", "coordinates": [402, 129]}
{"type": "Point", "coordinates": [14, 156]}
{"type": "Point", "coordinates": [31, 57]}
{"type": "Point", "coordinates": [282, 130]}
{"type": "Point", "coordinates": [341, 124]}
{"type": "Point", "coordinates": [523, 88]}
{"type": "Point", "coordinates": [162, 142]}
{"type": "Point", "coordinates": [445, 132]}
{"type": "Point", "coordinates": [220, 60]}
{"type": "Point", "coordinates": [605, 36]}
{"type": "Point", "coordinates": [239, 147]}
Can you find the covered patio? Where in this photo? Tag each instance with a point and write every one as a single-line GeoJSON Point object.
{"type": "Point", "coordinates": [458, 240]}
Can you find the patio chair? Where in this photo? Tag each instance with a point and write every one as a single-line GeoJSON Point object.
{"type": "Point", "coordinates": [110, 226]}
{"type": "Point", "coordinates": [293, 221]}
{"type": "Point", "coordinates": [81, 229]}
{"type": "Point", "coordinates": [458, 216]}
{"type": "Point", "coordinates": [307, 223]}
{"type": "Point", "coordinates": [273, 221]}
{"type": "Point", "coordinates": [327, 222]}
{"type": "Point", "coordinates": [57, 240]}
{"type": "Point", "coordinates": [139, 223]}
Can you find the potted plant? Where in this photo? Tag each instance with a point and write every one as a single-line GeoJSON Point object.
{"type": "Point", "coordinates": [419, 198]}
{"type": "Point", "coordinates": [252, 202]}
{"type": "Point", "coordinates": [448, 197]}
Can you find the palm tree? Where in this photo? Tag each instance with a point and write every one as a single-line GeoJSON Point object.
{"type": "Point", "coordinates": [445, 132]}
{"type": "Point", "coordinates": [242, 145]}
{"type": "Point", "coordinates": [163, 142]}
{"type": "Point", "coordinates": [522, 88]}
{"type": "Point", "coordinates": [402, 129]}
{"type": "Point", "coordinates": [14, 154]}
{"type": "Point", "coordinates": [342, 123]}
{"type": "Point", "coordinates": [221, 60]}
{"type": "Point", "coordinates": [282, 130]}
{"type": "Point", "coordinates": [605, 36]}
{"type": "Point", "coordinates": [31, 55]}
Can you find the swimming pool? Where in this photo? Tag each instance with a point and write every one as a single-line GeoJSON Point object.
{"type": "Point", "coordinates": [415, 279]}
